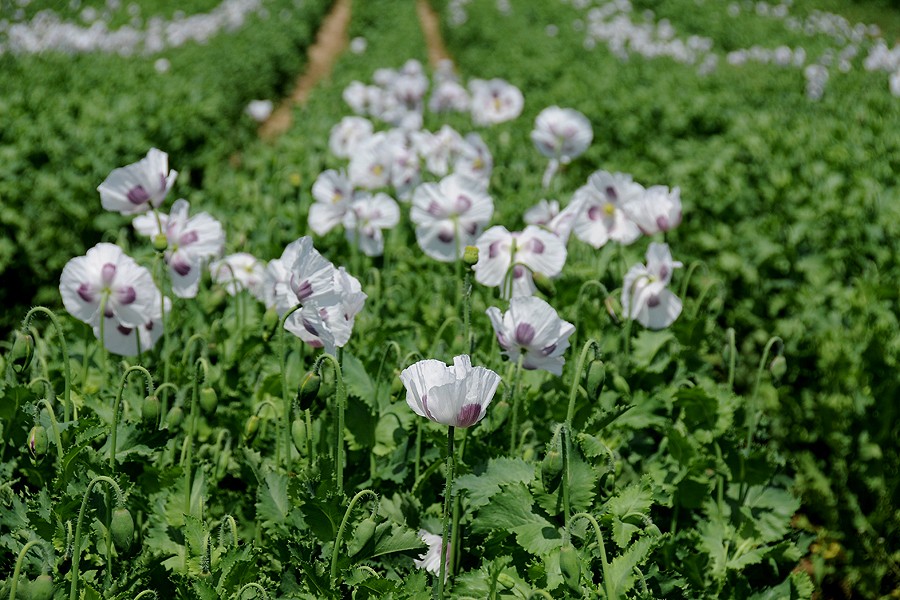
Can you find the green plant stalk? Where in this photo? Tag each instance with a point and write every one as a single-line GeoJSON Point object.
{"type": "Point", "coordinates": [417, 471]}
{"type": "Point", "coordinates": [445, 529]}
{"type": "Point", "coordinates": [229, 520]}
{"type": "Point", "coordinates": [340, 400]}
{"type": "Point", "coordinates": [591, 344]}
{"type": "Point", "coordinates": [146, 593]}
{"type": "Point", "coordinates": [468, 339]}
{"type": "Point", "coordinates": [163, 402]}
{"type": "Point", "coordinates": [514, 418]}
{"type": "Point", "coordinates": [64, 347]}
{"type": "Point", "coordinates": [593, 283]}
{"type": "Point", "coordinates": [76, 547]}
{"type": "Point", "coordinates": [387, 346]}
{"type": "Point", "coordinates": [340, 534]}
{"type": "Point", "coordinates": [456, 549]}
{"type": "Point", "coordinates": [755, 410]}
{"type": "Point", "coordinates": [118, 403]}
{"type": "Point", "coordinates": [564, 484]}
{"type": "Point", "coordinates": [201, 363]}
{"type": "Point", "coordinates": [440, 333]}
{"type": "Point", "coordinates": [19, 560]}
{"type": "Point", "coordinates": [732, 356]}
{"type": "Point", "coordinates": [54, 427]}
{"type": "Point", "coordinates": [608, 585]}
{"type": "Point", "coordinates": [285, 396]}
{"type": "Point", "coordinates": [249, 586]}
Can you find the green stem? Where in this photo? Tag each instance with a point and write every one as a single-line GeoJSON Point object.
{"type": "Point", "coordinates": [387, 346]}
{"type": "Point", "coordinates": [418, 464]}
{"type": "Point", "coordinates": [593, 283]}
{"type": "Point", "coordinates": [456, 549]}
{"type": "Point", "coordinates": [163, 402]}
{"type": "Point", "coordinates": [340, 534]}
{"type": "Point", "coordinates": [445, 529]}
{"type": "Point", "coordinates": [19, 560]}
{"type": "Point", "coordinates": [147, 593]}
{"type": "Point", "coordinates": [514, 419]}
{"type": "Point", "coordinates": [732, 356]}
{"type": "Point", "coordinates": [440, 333]}
{"type": "Point", "coordinates": [579, 372]}
{"type": "Point", "coordinates": [76, 547]}
{"type": "Point", "coordinates": [233, 526]}
{"type": "Point", "coordinates": [251, 585]}
{"type": "Point", "coordinates": [201, 363]}
{"type": "Point", "coordinates": [608, 584]}
{"type": "Point", "coordinates": [118, 402]}
{"type": "Point", "coordinates": [564, 484]}
{"type": "Point", "coordinates": [67, 393]}
{"type": "Point", "coordinates": [285, 396]}
{"type": "Point", "coordinates": [341, 401]}
{"type": "Point", "coordinates": [54, 427]}
{"type": "Point", "coordinates": [755, 410]}
{"type": "Point", "coordinates": [187, 353]}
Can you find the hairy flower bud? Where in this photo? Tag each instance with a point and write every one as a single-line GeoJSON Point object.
{"type": "Point", "coordinates": [596, 375]}
{"type": "Point", "coordinates": [470, 255]}
{"type": "Point", "coordinates": [22, 352]}
{"type": "Point", "coordinates": [121, 528]}
{"type": "Point", "coordinates": [251, 427]}
{"type": "Point", "coordinates": [160, 242]}
{"type": "Point", "coordinates": [308, 390]}
{"type": "Point", "coordinates": [37, 441]}
{"type": "Point", "coordinates": [778, 366]}
{"type": "Point", "coordinates": [208, 400]}
{"type": "Point", "coordinates": [544, 284]}
{"type": "Point", "coordinates": [150, 408]}
{"type": "Point", "coordinates": [41, 588]}
{"type": "Point", "coordinates": [364, 532]}
{"type": "Point", "coordinates": [298, 435]}
{"type": "Point", "coordinates": [552, 465]}
{"type": "Point", "coordinates": [570, 566]}
{"type": "Point", "coordinates": [175, 417]}
{"type": "Point", "coordinates": [269, 322]}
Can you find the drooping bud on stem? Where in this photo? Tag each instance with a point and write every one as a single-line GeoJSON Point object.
{"type": "Point", "coordinates": [308, 390]}
{"type": "Point", "coordinates": [37, 441]}
{"type": "Point", "coordinates": [22, 352]}
{"type": "Point", "coordinates": [121, 527]}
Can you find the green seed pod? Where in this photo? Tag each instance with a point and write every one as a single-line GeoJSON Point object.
{"type": "Point", "coordinates": [596, 376]}
{"type": "Point", "coordinates": [122, 528]}
{"type": "Point", "coordinates": [41, 588]}
{"type": "Point", "coordinates": [570, 566]}
{"type": "Point", "coordinates": [298, 435]}
{"type": "Point", "coordinates": [150, 408]}
{"type": "Point", "coordinates": [506, 581]}
{"type": "Point", "coordinates": [364, 532]}
{"type": "Point", "coordinates": [308, 390]}
{"type": "Point", "coordinates": [551, 470]}
{"type": "Point", "coordinates": [175, 417]}
{"type": "Point", "coordinates": [160, 242]}
{"type": "Point", "coordinates": [396, 385]}
{"type": "Point", "coordinates": [38, 441]}
{"type": "Point", "coordinates": [778, 366]}
{"type": "Point", "coordinates": [222, 462]}
{"type": "Point", "coordinates": [22, 352]}
{"type": "Point", "coordinates": [528, 454]}
{"type": "Point", "coordinates": [269, 323]}
{"type": "Point", "coordinates": [208, 400]}
{"type": "Point", "coordinates": [250, 428]}
{"type": "Point", "coordinates": [544, 284]}
{"type": "Point", "coordinates": [470, 255]}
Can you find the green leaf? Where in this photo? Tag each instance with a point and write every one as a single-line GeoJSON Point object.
{"type": "Point", "coordinates": [621, 568]}
{"type": "Point", "coordinates": [511, 510]}
{"type": "Point", "coordinates": [205, 591]}
{"type": "Point", "coordinates": [391, 537]}
{"type": "Point", "coordinates": [646, 350]}
{"type": "Point", "coordinates": [500, 471]}
{"type": "Point", "coordinates": [273, 503]}
{"type": "Point", "coordinates": [356, 379]}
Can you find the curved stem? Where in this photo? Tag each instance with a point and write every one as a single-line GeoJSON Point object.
{"type": "Point", "coordinates": [440, 333]}
{"type": "Point", "coordinates": [445, 529]}
{"type": "Point", "coordinates": [189, 346]}
{"type": "Point", "coordinates": [76, 547]}
{"type": "Point", "coordinates": [146, 593]}
{"type": "Point", "coordinates": [200, 364]}
{"type": "Point", "coordinates": [388, 345]}
{"type": "Point", "coordinates": [163, 406]}
{"type": "Point", "coordinates": [754, 420]}
{"type": "Point", "coordinates": [251, 585]}
{"type": "Point", "coordinates": [118, 402]}
{"type": "Point", "coordinates": [285, 397]}
{"type": "Point", "coordinates": [579, 371]}
{"type": "Point", "coordinates": [19, 560]}
{"type": "Point", "coordinates": [54, 428]}
{"type": "Point", "coordinates": [607, 584]}
{"type": "Point", "coordinates": [340, 534]}
{"type": "Point", "coordinates": [67, 393]}
{"type": "Point", "coordinates": [341, 401]}
{"type": "Point", "coordinates": [514, 418]}
{"type": "Point", "coordinates": [229, 520]}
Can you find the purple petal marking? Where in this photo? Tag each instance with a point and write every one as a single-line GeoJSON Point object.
{"type": "Point", "coordinates": [84, 292]}
{"type": "Point", "coordinates": [425, 407]}
{"type": "Point", "coordinates": [309, 327]}
{"type": "Point", "coordinates": [445, 236]}
{"type": "Point", "coordinates": [162, 182]}
{"type": "Point", "coordinates": [463, 203]}
{"type": "Point", "coordinates": [124, 330]}
{"type": "Point", "coordinates": [663, 223]}
{"type": "Point", "coordinates": [137, 195]}
{"type": "Point", "coordinates": [303, 291]}
{"type": "Point", "coordinates": [653, 301]}
{"type": "Point", "coordinates": [548, 350]}
{"type": "Point", "coordinates": [501, 339]}
{"type": "Point", "coordinates": [127, 295]}
{"type": "Point", "coordinates": [468, 415]}
{"type": "Point", "coordinates": [435, 209]}
{"type": "Point", "coordinates": [494, 249]}
{"type": "Point", "coordinates": [316, 343]}
{"type": "Point", "coordinates": [149, 326]}
{"type": "Point", "coordinates": [524, 334]}
{"type": "Point", "coordinates": [594, 213]}
{"type": "Point", "coordinates": [188, 237]}
{"type": "Point", "coordinates": [108, 273]}
{"type": "Point", "coordinates": [470, 228]}
{"type": "Point", "coordinates": [181, 267]}
{"type": "Point", "coordinates": [663, 272]}
{"type": "Point", "coordinates": [537, 246]}
{"type": "Point", "coordinates": [611, 193]}
{"type": "Point", "coordinates": [518, 272]}
{"type": "Point", "coordinates": [108, 312]}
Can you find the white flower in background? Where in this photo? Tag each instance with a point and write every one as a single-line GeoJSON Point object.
{"type": "Point", "coordinates": [332, 194]}
{"type": "Point", "coordinates": [300, 276]}
{"type": "Point", "coordinates": [431, 560]}
{"type": "Point", "coordinates": [599, 209]}
{"type": "Point", "coordinates": [370, 165]}
{"type": "Point", "coordinates": [348, 134]}
{"type": "Point", "coordinates": [259, 110]}
{"type": "Point", "coordinates": [532, 329]}
{"type": "Point", "coordinates": [542, 213]}
{"type": "Point", "coordinates": [358, 45]}
{"type": "Point", "coordinates": [405, 168]}
{"type": "Point", "coordinates": [656, 209]}
{"type": "Point", "coordinates": [449, 215]}
{"type": "Point", "coordinates": [139, 186]}
{"type": "Point", "coordinates": [474, 160]}
{"type": "Point", "coordinates": [131, 341]}
{"type": "Point", "coordinates": [366, 218]}
{"type": "Point", "coordinates": [457, 396]}
{"type": "Point", "coordinates": [409, 85]}
{"type": "Point", "coordinates": [561, 133]}
{"type": "Point", "coordinates": [508, 260]}
{"type": "Point", "coordinates": [191, 242]}
{"type": "Point", "coordinates": [449, 96]}
{"type": "Point", "coordinates": [494, 101]}
{"type": "Point", "coordinates": [645, 297]}
{"type": "Point", "coordinates": [548, 215]}
{"type": "Point", "coordinates": [326, 321]}
{"type": "Point", "coordinates": [240, 271]}
{"type": "Point", "coordinates": [438, 149]}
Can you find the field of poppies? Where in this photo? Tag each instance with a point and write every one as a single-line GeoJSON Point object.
{"type": "Point", "coordinates": [604, 307]}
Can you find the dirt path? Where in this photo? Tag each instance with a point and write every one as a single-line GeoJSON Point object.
{"type": "Point", "coordinates": [331, 41]}
{"type": "Point", "coordinates": [431, 28]}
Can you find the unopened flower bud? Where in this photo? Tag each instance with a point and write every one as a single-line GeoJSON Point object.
{"type": "Point", "coordinates": [37, 441]}
{"type": "Point", "coordinates": [298, 435]}
{"type": "Point", "coordinates": [544, 284]}
{"type": "Point", "coordinates": [596, 375]}
{"type": "Point", "coordinates": [610, 304]}
{"type": "Point", "coordinates": [570, 566]}
{"type": "Point", "coordinates": [308, 390]}
{"type": "Point", "coordinates": [778, 366]}
{"type": "Point", "coordinates": [270, 322]}
{"type": "Point", "coordinates": [175, 417]}
{"type": "Point", "coordinates": [22, 352]}
{"type": "Point", "coordinates": [620, 385]}
{"type": "Point", "coordinates": [251, 427]}
{"type": "Point", "coordinates": [150, 408]}
{"type": "Point", "coordinates": [551, 470]}
{"type": "Point", "coordinates": [364, 532]}
{"type": "Point", "coordinates": [41, 588]}
{"type": "Point", "coordinates": [470, 255]}
{"type": "Point", "coordinates": [208, 400]}
{"type": "Point", "coordinates": [122, 528]}
{"type": "Point", "coordinates": [160, 242]}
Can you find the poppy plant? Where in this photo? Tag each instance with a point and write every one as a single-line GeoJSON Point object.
{"type": "Point", "coordinates": [457, 396]}
{"type": "Point", "coordinates": [449, 216]}
{"type": "Point", "coordinates": [510, 259]}
{"type": "Point", "coordinates": [531, 329]}
{"type": "Point", "coordinates": [139, 186]}
{"type": "Point", "coordinates": [645, 297]}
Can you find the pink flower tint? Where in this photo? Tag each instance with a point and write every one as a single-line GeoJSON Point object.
{"type": "Point", "coordinates": [139, 186]}
{"type": "Point", "coordinates": [457, 396]}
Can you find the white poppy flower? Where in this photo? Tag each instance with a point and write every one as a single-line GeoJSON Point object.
{"type": "Point", "coordinates": [300, 276]}
{"type": "Point", "coordinates": [561, 133]}
{"type": "Point", "coordinates": [457, 396]}
{"type": "Point", "coordinates": [131, 341]}
{"type": "Point", "coordinates": [532, 329]}
{"type": "Point", "coordinates": [474, 160]}
{"type": "Point", "coordinates": [240, 271]}
{"type": "Point", "coordinates": [332, 193]}
{"type": "Point", "coordinates": [367, 217]}
{"type": "Point", "coordinates": [259, 110]}
{"type": "Point", "coordinates": [656, 209]}
{"type": "Point", "coordinates": [191, 242]}
{"type": "Point", "coordinates": [370, 165]}
{"type": "Point", "coordinates": [139, 186]}
{"type": "Point", "coordinates": [449, 215]}
{"type": "Point", "coordinates": [438, 149]}
{"type": "Point", "coordinates": [327, 320]}
{"type": "Point", "coordinates": [347, 134]}
{"type": "Point", "coordinates": [494, 101]}
{"type": "Point", "coordinates": [449, 96]}
{"type": "Point", "coordinates": [431, 560]}
{"type": "Point", "coordinates": [645, 297]}
{"type": "Point", "coordinates": [599, 208]}
{"type": "Point", "coordinates": [502, 254]}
